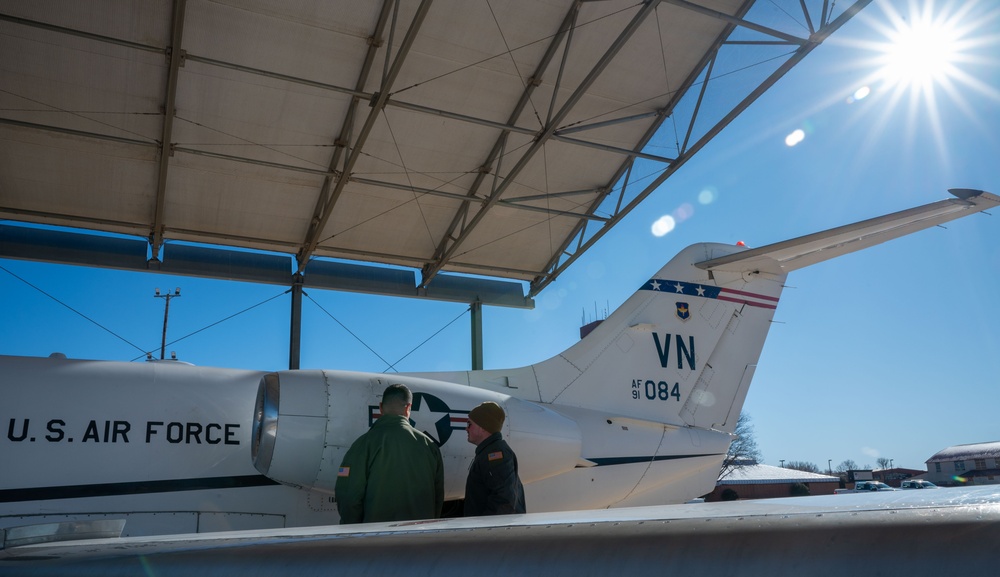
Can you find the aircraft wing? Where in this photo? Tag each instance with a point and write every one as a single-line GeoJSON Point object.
{"type": "Point", "coordinates": [917, 532]}
{"type": "Point", "coordinates": [789, 255]}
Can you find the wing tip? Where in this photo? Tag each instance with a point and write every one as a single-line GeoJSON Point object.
{"type": "Point", "coordinates": [966, 193]}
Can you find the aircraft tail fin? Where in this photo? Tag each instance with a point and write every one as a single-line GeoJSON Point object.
{"type": "Point", "coordinates": [683, 349]}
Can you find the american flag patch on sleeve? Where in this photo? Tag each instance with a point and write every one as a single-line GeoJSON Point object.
{"type": "Point", "coordinates": [344, 472]}
{"type": "Point", "coordinates": [495, 455]}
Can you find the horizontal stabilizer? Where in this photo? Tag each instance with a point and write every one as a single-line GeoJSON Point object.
{"type": "Point", "coordinates": [789, 255]}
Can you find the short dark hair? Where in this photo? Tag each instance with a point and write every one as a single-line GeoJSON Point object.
{"type": "Point", "coordinates": [396, 397]}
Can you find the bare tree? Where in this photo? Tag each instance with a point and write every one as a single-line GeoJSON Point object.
{"type": "Point", "coordinates": [743, 451]}
{"type": "Point", "coordinates": [883, 462]}
{"type": "Point", "coordinates": [802, 466]}
{"type": "Point", "coordinates": [845, 466]}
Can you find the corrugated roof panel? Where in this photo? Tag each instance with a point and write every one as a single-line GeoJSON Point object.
{"type": "Point", "coordinates": [764, 474]}
{"type": "Point", "coordinates": [968, 452]}
{"type": "Point", "coordinates": [265, 104]}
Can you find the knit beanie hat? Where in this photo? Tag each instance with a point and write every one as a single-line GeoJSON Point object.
{"type": "Point", "coordinates": [489, 416]}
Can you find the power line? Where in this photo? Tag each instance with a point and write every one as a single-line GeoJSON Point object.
{"type": "Point", "coordinates": [220, 321]}
{"type": "Point", "coordinates": [346, 329]}
{"type": "Point", "coordinates": [116, 335]}
{"type": "Point", "coordinates": [389, 366]}
{"type": "Point", "coordinates": [392, 366]}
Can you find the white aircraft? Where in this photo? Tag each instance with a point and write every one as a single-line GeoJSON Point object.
{"type": "Point", "coordinates": [639, 412]}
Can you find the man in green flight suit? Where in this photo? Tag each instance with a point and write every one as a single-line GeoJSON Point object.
{"type": "Point", "coordinates": [393, 472]}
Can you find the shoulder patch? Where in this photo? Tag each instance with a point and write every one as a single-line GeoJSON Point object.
{"type": "Point", "coordinates": [344, 472]}
{"type": "Point", "coordinates": [495, 455]}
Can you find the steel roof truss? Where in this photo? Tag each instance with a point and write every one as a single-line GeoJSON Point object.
{"type": "Point", "coordinates": [377, 106]}
{"type": "Point", "coordinates": [643, 13]}
{"type": "Point", "coordinates": [624, 172]}
{"type": "Point", "coordinates": [828, 28]}
{"type": "Point", "coordinates": [701, 98]}
{"type": "Point", "coordinates": [460, 220]}
{"type": "Point", "coordinates": [738, 21]}
{"type": "Point", "coordinates": [325, 199]}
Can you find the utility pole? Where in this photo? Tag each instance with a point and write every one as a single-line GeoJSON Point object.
{"type": "Point", "coordinates": [166, 312]}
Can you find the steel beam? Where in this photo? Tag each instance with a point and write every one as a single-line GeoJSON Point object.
{"type": "Point", "coordinates": [81, 133]}
{"type": "Point", "coordinates": [82, 34]}
{"type": "Point", "coordinates": [295, 329]}
{"type": "Point", "coordinates": [476, 310]}
{"type": "Point", "coordinates": [170, 99]}
{"type": "Point", "coordinates": [514, 203]}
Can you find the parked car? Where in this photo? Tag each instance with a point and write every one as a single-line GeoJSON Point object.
{"type": "Point", "coordinates": [865, 487]}
{"type": "Point", "coordinates": [918, 484]}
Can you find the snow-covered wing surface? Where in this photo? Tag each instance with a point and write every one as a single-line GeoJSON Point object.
{"type": "Point", "coordinates": [801, 252]}
{"type": "Point", "coordinates": [896, 533]}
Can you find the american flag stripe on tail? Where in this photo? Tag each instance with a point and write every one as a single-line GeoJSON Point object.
{"type": "Point", "coordinates": [711, 292]}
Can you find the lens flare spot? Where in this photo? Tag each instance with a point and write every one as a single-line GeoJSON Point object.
{"type": "Point", "coordinates": [859, 94]}
{"type": "Point", "coordinates": [548, 302]}
{"type": "Point", "coordinates": [664, 225]}
{"type": "Point", "coordinates": [703, 398]}
{"type": "Point", "coordinates": [795, 137]}
{"type": "Point", "coordinates": [596, 270]}
{"type": "Point", "coordinates": [708, 195]}
{"type": "Point", "coordinates": [683, 212]}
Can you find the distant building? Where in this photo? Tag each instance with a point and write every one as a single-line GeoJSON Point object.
{"type": "Point", "coordinates": [766, 482]}
{"type": "Point", "coordinates": [974, 464]}
{"type": "Point", "coordinates": [895, 477]}
{"type": "Point", "coordinates": [855, 475]}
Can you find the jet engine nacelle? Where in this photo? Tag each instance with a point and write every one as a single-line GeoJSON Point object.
{"type": "Point", "coordinates": [305, 421]}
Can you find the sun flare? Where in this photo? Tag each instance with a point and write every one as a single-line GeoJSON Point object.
{"type": "Point", "coordinates": [927, 56]}
{"type": "Point", "coordinates": [921, 54]}
{"type": "Point", "coordinates": [922, 49]}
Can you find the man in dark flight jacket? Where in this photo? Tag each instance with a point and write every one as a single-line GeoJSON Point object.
{"type": "Point", "coordinates": [493, 487]}
{"type": "Point", "coordinates": [393, 472]}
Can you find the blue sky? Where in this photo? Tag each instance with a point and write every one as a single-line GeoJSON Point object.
{"type": "Point", "coordinates": [891, 352]}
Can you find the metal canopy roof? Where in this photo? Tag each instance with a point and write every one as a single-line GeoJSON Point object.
{"type": "Point", "coordinates": [498, 138]}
